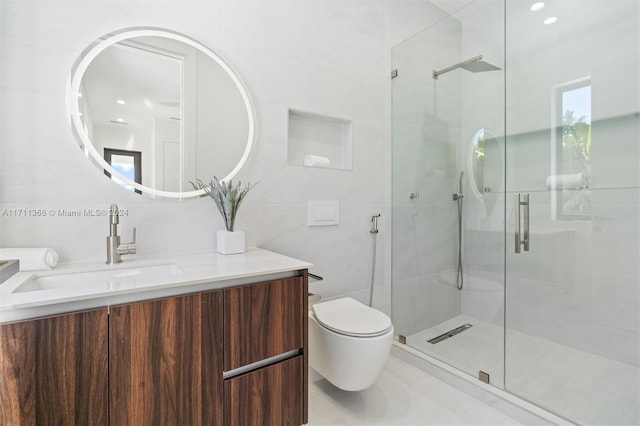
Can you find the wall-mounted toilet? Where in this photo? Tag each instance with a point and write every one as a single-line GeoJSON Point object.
{"type": "Point", "coordinates": [348, 342]}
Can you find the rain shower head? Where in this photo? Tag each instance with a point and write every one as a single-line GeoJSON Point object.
{"type": "Point", "coordinates": [475, 64]}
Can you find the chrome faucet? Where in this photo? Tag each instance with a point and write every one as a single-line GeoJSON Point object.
{"type": "Point", "coordinates": [115, 250]}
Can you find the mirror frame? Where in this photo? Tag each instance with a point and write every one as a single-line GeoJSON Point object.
{"type": "Point", "coordinates": [73, 89]}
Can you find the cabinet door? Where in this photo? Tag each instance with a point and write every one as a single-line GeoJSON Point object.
{"type": "Point", "coordinates": [165, 366]}
{"type": "Point", "coordinates": [54, 370]}
{"type": "Point", "coordinates": [272, 395]}
{"type": "Point", "coordinates": [263, 320]}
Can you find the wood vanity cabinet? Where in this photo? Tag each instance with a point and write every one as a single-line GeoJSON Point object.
{"type": "Point", "coordinates": [165, 361]}
{"type": "Point", "coordinates": [234, 356]}
{"type": "Point", "coordinates": [54, 370]}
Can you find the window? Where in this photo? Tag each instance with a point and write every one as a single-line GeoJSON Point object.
{"type": "Point", "coordinates": [126, 163]}
{"type": "Point", "coordinates": [571, 168]}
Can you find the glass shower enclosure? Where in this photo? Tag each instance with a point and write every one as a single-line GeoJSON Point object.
{"type": "Point", "coordinates": [516, 200]}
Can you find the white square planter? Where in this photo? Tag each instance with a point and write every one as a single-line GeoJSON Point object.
{"type": "Point", "coordinates": [230, 242]}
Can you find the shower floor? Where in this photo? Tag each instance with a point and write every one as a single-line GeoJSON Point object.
{"type": "Point", "coordinates": [578, 385]}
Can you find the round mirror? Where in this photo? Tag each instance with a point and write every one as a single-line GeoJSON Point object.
{"type": "Point", "coordinates": [156, 110]}
{"type": "Point", "coordinates": [485, 164]}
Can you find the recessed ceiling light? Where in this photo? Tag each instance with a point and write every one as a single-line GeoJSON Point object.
{"type": "Point", "coordinates": [537, 6]}
{"type": "Point", "coordinates": [120, 120]}
{"type": "Point", "coordinates": [120, 101]}
{"type": "Point", "coordinates": [550, 20]}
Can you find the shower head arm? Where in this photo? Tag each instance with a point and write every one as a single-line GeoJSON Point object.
{"type": "Point", "coordinates": [437, 73]}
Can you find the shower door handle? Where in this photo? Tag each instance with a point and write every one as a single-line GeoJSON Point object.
{"type": "Point", "coordinates": [521, 201]}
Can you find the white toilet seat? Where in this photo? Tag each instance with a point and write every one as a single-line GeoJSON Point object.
{"type": "Point", "coordinates": [349, 317]}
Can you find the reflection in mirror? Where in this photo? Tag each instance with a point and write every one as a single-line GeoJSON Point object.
{"type": "Point", "coordinates": [486, 165]}
{"type": "Point", "coordinates": [167, 97]}
{"type": "Point", "coordinates": [127, 164]}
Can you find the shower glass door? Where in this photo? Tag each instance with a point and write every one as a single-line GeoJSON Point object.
{"type": "Point", "coordinates": [572, 147]}
{"type": "Point", "coordinates": [547, 145]}
{"type": "Point", "coordinates": [448, 191]}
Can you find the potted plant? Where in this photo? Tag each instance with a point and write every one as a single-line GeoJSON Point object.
{"type": "Point", "coordinates": [228, 197]}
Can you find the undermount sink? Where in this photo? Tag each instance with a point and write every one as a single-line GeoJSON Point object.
{"type": "Point", "coordinates": [101, 280]}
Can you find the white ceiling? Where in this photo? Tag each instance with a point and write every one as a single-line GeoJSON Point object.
{"type": "Point", "coordinates": [149, 83]}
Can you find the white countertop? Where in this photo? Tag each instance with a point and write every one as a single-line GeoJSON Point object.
{"type": "Point", "coordinates": [190, 272]}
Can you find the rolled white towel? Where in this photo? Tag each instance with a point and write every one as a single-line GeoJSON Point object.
{"type": "Point", "coordinates": [574, 180]}
{"type": "Point", "coordinates": [31, 259]}
{"type": "Point", "coordinates": [316, 161]}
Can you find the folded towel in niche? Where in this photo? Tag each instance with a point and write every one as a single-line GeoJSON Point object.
{"type": "Point", "coordinates": [31, 259]}
{"type": "Point", "coordinates": [316, 161]}
{"type": "Point", "coordinates": [574, 181]}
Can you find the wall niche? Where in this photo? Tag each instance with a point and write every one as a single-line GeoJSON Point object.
{"type": "Point", "coordinates": [316, 140]}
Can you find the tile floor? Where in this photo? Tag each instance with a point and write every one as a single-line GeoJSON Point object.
{"type": "Point", "coordinates": [402, 395]}
{"type": "Point", "coordinates": [578, 385]}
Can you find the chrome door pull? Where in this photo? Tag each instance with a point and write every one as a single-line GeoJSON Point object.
{"type": "Point", "coordinates": [524, 241]}
{"type": "Point", "coordinates": [525, 204]}
{"type": "Point", "coordinates": [516, 222]}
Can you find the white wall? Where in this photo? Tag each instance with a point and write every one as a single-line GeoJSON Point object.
{"type": "Point", "coordinates": [322, 56]}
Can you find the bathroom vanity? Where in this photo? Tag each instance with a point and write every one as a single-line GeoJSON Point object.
{"type": "Point", "coordinates": [224, 341]}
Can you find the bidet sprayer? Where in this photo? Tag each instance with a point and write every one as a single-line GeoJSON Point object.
{"type": "Point", "coordinates": [374, 223]}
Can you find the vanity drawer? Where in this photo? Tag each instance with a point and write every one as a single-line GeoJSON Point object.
{"type": "Point", "coordinates": [263, 320]}
{"type": "Point", "coordinates": [273, 395]}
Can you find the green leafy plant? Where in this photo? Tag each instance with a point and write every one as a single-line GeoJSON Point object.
{"type": "Point", "coordinates": [227, 196]}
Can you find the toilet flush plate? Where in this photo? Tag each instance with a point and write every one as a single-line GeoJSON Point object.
{"type": "Point", "coordinates": [323, 213]}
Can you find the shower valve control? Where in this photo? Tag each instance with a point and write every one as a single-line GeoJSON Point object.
{"type": "Point", "coordinates": [414, 195]}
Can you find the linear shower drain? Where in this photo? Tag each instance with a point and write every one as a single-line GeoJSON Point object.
{"type": "Point", "coordinates": [449, 333]}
